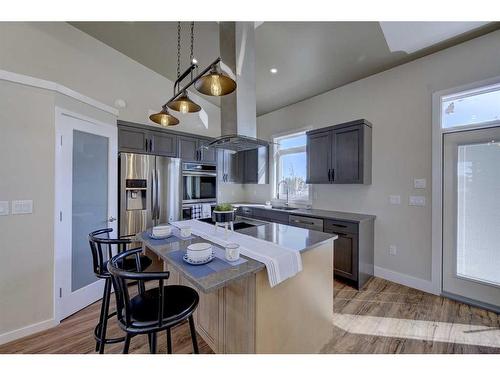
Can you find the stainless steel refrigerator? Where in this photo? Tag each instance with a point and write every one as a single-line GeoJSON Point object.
{"type": "Point", "coordinates": [150, 191]}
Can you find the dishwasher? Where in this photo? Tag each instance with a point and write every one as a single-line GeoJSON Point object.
{"type": "Point", "coordinates": [306, 222]}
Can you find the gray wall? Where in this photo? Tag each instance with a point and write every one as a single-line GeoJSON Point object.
{"type": "Point", "coordinates": [399, 104]}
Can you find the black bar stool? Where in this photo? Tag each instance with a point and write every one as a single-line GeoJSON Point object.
{"type": "Point", "coordinates": [153, 310]}
{"type": "Point", "coordinates": [103, 248]}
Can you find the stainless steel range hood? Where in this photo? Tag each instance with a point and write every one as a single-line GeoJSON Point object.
{"type": "Point", "coordinates": [238, 110]}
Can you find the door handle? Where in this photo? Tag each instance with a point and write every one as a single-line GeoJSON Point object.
{"type": "Point", "coordinates": [329, 173]}
{"type": "Point", "coordinates": [111, 219]}
{"type": "Point", "coordinates": [147, 145]}
{"type": "Point", "coordinates": [150, 145]}
{"type": "Point", "coordinates": [333, 174]}
{"type": "Point", "coordinates": [157, 196]}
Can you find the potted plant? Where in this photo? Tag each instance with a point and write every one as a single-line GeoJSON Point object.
{"type": "Point", "coordinates": [224, 213]}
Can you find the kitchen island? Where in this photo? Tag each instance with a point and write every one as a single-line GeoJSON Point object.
{"type": "Point", "coordinates": [240, 313]}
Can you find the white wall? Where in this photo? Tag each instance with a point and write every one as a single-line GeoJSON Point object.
{"type": "Point", "coordinates": [58, 52]}
{"type": "Point", "coordinates": [398, 103]}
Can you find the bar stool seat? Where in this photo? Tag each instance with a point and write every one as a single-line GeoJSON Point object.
{"type": "Point", "coordinates": [179, 303]}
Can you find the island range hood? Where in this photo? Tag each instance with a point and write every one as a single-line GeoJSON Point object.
{"type": "Point", "coordinates": [238, 110]}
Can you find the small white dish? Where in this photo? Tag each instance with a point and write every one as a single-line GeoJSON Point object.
{"type": "Point", "coordinates": [186, 259]}
{"type": "Point", "coordinates": [161, 231]}
{"type": "Point", "coordinates": [199, 251]}
{"type": "Point", "coordinates": [159, 237]}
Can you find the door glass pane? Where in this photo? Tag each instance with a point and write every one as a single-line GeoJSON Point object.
{"type": "Point", "coordinates": [90, 202]}
{"type": "Point", "coordinates": [478, 212]}
{"type": "Point", "coordinates": [469, 108]}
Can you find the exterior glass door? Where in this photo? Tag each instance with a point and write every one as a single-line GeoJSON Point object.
{"type": "Point", "coordinates": [471, 216]}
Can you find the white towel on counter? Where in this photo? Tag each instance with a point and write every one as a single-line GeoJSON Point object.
{"type": "Point", "coordinates": [206, 211]}
{"type": "Point", "coordinates": [281, 262]}
{"type": "Point", "coordinates": [196, 211]}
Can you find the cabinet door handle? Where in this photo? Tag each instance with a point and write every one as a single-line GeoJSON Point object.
{"type": "Point", "coordinates": [333, 174]}
{"type": "Point", "coordinates": [146, 145]}
{"type": "Point", "coordinates": [329, 173]}
{"type": "Point", "coordinates": [150, 145]}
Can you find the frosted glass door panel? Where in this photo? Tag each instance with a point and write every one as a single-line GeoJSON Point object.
{"type": "Point", "coordinates": [478, 212]}
{"type": "Point", "coordinates": [90, 202]}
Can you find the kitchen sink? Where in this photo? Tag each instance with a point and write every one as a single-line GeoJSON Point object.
{"type": "Point", "coordinates": [286, 208]}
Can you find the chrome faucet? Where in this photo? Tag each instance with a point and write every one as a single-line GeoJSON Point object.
{"type": "Point", "coordinates": [287, 190]}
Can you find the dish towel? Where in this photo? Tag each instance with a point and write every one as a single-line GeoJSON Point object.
{"type": "Point", "coordinates": [196, 211]}
{"type": "Point", "coordinates": [281, 262]}
{"type": "Point", "coordinates": [206, 210]}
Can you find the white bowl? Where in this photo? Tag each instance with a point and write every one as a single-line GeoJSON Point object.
{"type": "Point", "coordinates": [162, 230]}
{"type": "Point", "coordinates": [199, 251]}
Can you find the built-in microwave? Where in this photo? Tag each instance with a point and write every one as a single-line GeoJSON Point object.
{"type": "Point", "coordinates": [199, 183]}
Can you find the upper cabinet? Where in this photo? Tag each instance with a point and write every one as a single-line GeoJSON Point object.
{"type": "Point", "coordinates": [193, 149]}
{"type": "Point", "coordinates": [146, 139]}
{"type": "Point", "coordinates": [340, 154]}
{"type": "Point", "coordinates": [132, 139]}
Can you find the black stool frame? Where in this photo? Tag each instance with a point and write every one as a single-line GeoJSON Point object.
{"type": "Point", "coordinates": [102, 252]}
{"type": "Point", "coordinates": [124, 305]}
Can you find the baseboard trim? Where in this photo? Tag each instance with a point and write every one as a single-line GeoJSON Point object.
{"type": "Point", "coordinates": [410, 281]}
{"type": "Point", "coordinates": [26, 331]}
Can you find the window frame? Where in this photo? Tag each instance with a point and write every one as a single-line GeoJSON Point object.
{"type": "Point", "coordinates": [277, 154]}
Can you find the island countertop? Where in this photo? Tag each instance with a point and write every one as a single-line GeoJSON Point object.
{"type": "Point", "coordinates": [295, 238]}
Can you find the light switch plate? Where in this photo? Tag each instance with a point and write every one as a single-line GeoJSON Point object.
{"type": "Point", "coordinates": [419, 183]}
{"type": "Point", "coordinates": [395, 199]}
{"type": "Point", "coordinates": [22, 207]}
{"type": "Point", "coordinates": [393, 250]}
{"type": "Point", "coordinates": [417, 200]}
{"type": "Point", "coordinates": [4, 208]}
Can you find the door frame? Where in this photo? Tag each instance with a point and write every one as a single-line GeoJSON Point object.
{"type": "Point", "coordinates": [437, 173]}
{"type": "Point", "coordinates": [61, 198]}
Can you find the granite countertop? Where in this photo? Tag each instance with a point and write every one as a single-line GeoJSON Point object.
{"type": "Point", "coordinates": [292, 237]}
{"type": "Point", "coordinates": [311, 212]}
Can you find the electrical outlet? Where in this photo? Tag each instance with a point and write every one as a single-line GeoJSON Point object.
{"type": "Point", "coordinates": [419, 183]}
{"type": "Point", "coordinates": [393, 250]}
{"type": "Point", "coordinates": [22, 207]}
{"type": "Point", "coordinates": [416, 200]}
{"type": "Point", "coordinates": [395, 199]}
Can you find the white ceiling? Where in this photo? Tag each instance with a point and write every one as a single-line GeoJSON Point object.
{"type": "Point", "coordinates": [311, 57]}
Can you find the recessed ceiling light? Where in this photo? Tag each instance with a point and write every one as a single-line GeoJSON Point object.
{"type": "Point", "coordinates": [273, 70]}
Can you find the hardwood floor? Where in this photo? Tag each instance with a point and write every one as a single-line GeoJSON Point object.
{"type": "Point", "coordinates": [381, 318]}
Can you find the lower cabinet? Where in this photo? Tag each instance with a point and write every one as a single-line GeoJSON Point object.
{"type": "Point", "coordinates": [353, 252]}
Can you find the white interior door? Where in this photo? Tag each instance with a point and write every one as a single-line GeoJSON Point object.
{"type": "Point", "coordinates": [86, 200]}
{"type": "Point", "coordinates": [471, 216]}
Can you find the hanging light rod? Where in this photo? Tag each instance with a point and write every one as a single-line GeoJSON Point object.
{"type": "Point", "coordinates": [177, 91]}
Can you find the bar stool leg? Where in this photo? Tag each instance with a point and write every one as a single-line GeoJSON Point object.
{"type": "Point", "coordinates": [127, 343]}
{"type": "Point", "coordinates": [102, 318]}
{"type": "Point", "coordinates": [104, 322]}
{"type": "Point", "coordinates": [169, 341]}
{"type": "Point", "coordinates": [193, 335]}
{"type": "Point", "coordinates": [152, 342]}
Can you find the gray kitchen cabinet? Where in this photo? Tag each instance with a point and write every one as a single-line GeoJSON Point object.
{"type": "Point", "coordinates": [207, 154]}
{"type": "Point", "coordinates": [192, 149]}
{"type": "Point", "coordinates": [139, 140]}
{"type": "Point", "coordinates": [318, 151]}
{"type": "Point", "coordinates": [188, 149]}
{"type": "Point", "coordinates": [254, 166]}
{"type": "Point", "coordinates": [340, 154]}
{"type": "Point", "coordinates": [163, 144]}
{"type": "Point", "coordinates": [353, 251]}
{"type": "Point", "coordinates": [133, 140]}
{"type": "Point", "coordinates": [229, 166]}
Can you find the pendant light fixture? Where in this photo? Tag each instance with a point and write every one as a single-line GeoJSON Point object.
{"type": "Point", "coordinates": [215, 83]}
{"type": "Point", "coordinates": [164, 118]}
